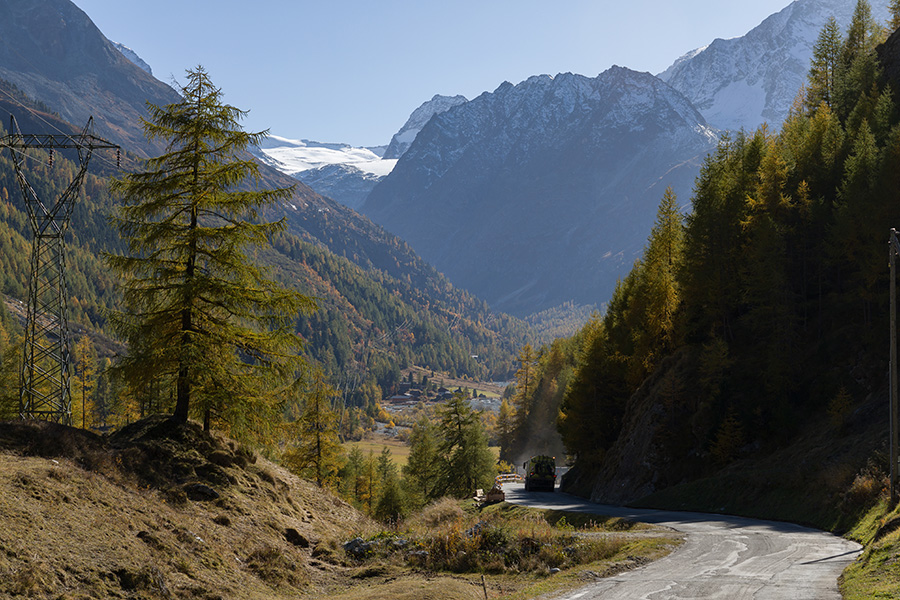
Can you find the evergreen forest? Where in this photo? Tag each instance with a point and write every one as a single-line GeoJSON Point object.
{"type": "Point", "coordinates": [763, 306]}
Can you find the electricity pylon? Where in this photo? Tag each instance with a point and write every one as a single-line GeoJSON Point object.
{"type": "Point", "coordinates": [44, 380]}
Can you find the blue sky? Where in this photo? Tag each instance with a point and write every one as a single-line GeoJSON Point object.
{"type": "Point", "coordinates": [353, 70]}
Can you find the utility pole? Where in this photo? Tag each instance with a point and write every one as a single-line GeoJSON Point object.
{"type": "Point", "coordinates": [894, 252]}
{"type": "Point", "coordinates": [44, 380]}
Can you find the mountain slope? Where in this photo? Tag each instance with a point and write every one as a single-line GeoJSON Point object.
{"type": "Point", "coordinates": [544, 192]}
{"type": "Point", "coordinates": [345, 183]}
{"type": "Point", "coordinates": [746, 81]}
{"type": "Point", "coordinates": [367, 262]}
{"type": "Point", "coordinates": [53, 52]}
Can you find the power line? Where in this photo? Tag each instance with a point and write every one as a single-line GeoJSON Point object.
{"type": "Point", "coordinates": [44, 380]}
{"type": "Point", "coordinates": [51, 125]}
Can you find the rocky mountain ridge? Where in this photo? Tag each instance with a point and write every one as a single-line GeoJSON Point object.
{"type": "Point", "coordinates": [753, 79]}
{"type": "Point", "coordinates": [403, 139]}
{"type": "Point", "coordinates": [543, 192]}
{"type": "Point", "coordinates": [133, 57]}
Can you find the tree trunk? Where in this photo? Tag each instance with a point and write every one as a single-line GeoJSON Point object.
{"type": "Point", "coordinates": [182, 395]}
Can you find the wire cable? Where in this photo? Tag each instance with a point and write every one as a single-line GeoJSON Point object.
{"type": "Point", "coordinates": [38, 115]}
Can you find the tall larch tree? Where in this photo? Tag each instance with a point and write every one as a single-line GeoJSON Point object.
{"type": "Point", "coordinates": [506, 430]}
{"type": "Point", "coordinates": [422, 471]}
{"type": "Point", "coordinates": [858, 69]}
{"type": "Point", "coordinates": [826, 55]}
{"type": "Point", "coordinates": [85, 381]}
{"type": "Point", "coordinates": [316, 453]}
{"type": "Point", "coordinates": [198, 313]}
{"type": "Point", "coordinates": [894, 10]}
{"type": "Point", "coordinates": [526, 385]}
{"type": "Point", "coordinates": [657, 295]}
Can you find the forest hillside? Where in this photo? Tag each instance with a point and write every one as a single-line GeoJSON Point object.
{"type": "Point", "coordinates": [757, 322]}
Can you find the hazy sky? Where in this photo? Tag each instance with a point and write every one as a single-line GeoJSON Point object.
{"type": "Point", "coordinates": [353, 70]}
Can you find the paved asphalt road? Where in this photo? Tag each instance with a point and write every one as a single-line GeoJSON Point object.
{"type": "Point", "coordinates": [723, 557]}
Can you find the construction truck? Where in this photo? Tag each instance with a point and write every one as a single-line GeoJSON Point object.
{"type": "Point", "coordinates": [540, 473]}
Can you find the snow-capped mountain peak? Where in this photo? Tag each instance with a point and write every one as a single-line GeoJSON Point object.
{"type": "Point", "coordinates": [133, 57]}
{"type": "Point", "coordinates": [745, 81]}
{"type": "Point", "coordinates": [519, 193]}
{"type": "Point", "coordinates": [404, 138]}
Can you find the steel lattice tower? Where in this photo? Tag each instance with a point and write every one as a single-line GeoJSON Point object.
{"type": "Point", "coordinates": [44, 381]}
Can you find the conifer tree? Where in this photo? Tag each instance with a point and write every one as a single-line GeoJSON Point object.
{"type": "Point", "coordinates": [316, 454]}
{"type": "Point", "coordinates": [391, 504]}
{"type": "Point", "coordinates": [422, 471]}
{"type": "Point", "coordinates": [590, 414]}
{"type": "Point", "coordinates": [506, 430]}
{"type": "Point", "coordinates": [370, 486]}
{"type": "Point", "coordinates": [10, 365]}
{"type": "Point", "coordinates": [526, 385]}
{"type": "Point", "coordinates": [657, 296]}
{"type": "Point", "coordinates": [103, 394]}
{"type": "Point", "coordinates": [387, 469]}
{"type": "Point", "coordinates": [197, 310]}
{"type": "Point", "coordinates": [857, 70]}
{"type": "Point", "coordinates": [467, 461]}
{"type": "Point", "coordinates": [826, 54]}
{"type": "Point", "coordinates": [85, 380]}
{"type": "Point", "coordinates": [894, 9]}
{"type": "Point", "coordinates": [352, 476]}
{"type": "Point", "coordinates": [863, 33]}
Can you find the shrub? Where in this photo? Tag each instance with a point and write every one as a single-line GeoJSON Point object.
{"type": "Point", "coordinates": [863, 492]}
{"type": "Point", "coordinates": [442, 511]}
{"type": "Point", "coordinates": [443, 538]}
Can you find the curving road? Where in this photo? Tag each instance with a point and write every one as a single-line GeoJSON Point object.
{"type": "Point", "coordinates": [723, 557]}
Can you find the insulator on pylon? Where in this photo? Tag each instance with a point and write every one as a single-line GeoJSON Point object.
{"type": "Point", "coordinates": [118, 158]}
{"type": "Point", "coordinates": [51, 157]}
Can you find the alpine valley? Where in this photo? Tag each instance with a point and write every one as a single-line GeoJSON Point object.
{"type": "Point", "coordinates": [543, 193]}
{"type": "Point", "coordinates": [535, 197]}
{"type": "Point", "coordinates": [380, 305]}
{"type": "Point", "coordinates": [691, 308]}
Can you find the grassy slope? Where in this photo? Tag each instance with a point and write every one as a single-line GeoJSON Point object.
{"type": "Point", "coordinates": [482, 551]}
{"type": "Point", "coordinates": [88, 517]}
{"type": "Point", "coordinates": [877, 572]}
{"type": "Point", "coordinates": [132, 515]}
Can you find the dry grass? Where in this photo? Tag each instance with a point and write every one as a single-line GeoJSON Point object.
{"type": "Point", "coordinates": [88, 517]}
{"type": "Point", "coordinates": [510, 540]}
{"type": "Point", "coordinates": [130, 516]}
{"type": "Point", "coordinates": [458, 551]}
{"type": "Point", "coordinates": [416, 588]}
{"type": "Point", "coordinates": [399, 450]}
